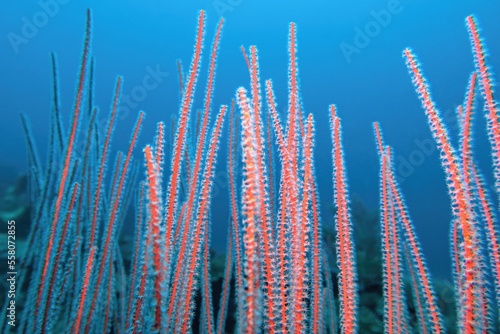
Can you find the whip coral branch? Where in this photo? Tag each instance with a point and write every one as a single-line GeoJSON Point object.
{"type": "Point", "coordinates": [460, 204]}
{"type": "Point", "coordinates": [207, 311]}
{"type": "Point", "coordinates": [64, 173]}
{"type": "Point", "coordinates": [180, 137]}
{"type": "Point", "coordinates": [154, 173]}
{"type": "Point", "coordinates": [300, 268]}
{"type": "Point", "coordinates": [109, 240]}
{"type": "Point", "coordinates": [270, 155]}
{"type": "Point", "coordinates": [271, 103]}
{"type": "Point", "coordinates": [231, 158]}
{"type": "Point", "coordinates": [228, 269]}
{"type": "Point", "coordinates": [137, 247]}
{"type": "Point", "coordinates": [284, 260]}
{"type": "Point", "coordinates": [160, 142]}
{"type": "Point", "coordinates": [267, 248]}
{"type": "Point", "coordinates": [491, 231]}
{"type": "Point", "coordinates": [250, 211]}
{"type": "Point", "coordinates": [55, 102]}
{"type": "Point", "coordinates": [245, 56]}
{"type": "Point", "coordinates": [194, 183]}
{"type": "Point", "coordinates": [306, 229]}
{"type": "Point", "coordinates": [75, 328]}
{"type": "Point", "coordinates": [416, 260]}
{"type": "Point", "coordinates": [345, 241]}
{"type": "Point", "coordinates": [202, 225]}
{"type": "Point", "coordinates": [466, 132]}
{"type": "Point", "coordinates": [57, 266]}
{"type": "Point", "coordinates": [399, 295]}
{"type": "Point", "coordinates": [491, 106]}
{"type": "Point", "coordinates": [136, 315]}
{"type": "Point", "coordinates": [154, 222]}
{"type": "Point", "coordinates": [104, 154]}
{"type": "Point", "coordinates": [419, 308]}
{"type": "Point", "coordinates": [388, 263]}
{"type": "Point", "coordinates": [291, 178]}
{"type": "Point", "coordinates": [180, 73]}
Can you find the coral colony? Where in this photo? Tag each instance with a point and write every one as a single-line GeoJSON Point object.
{"type": "Point", "coordinates": [74, 273]}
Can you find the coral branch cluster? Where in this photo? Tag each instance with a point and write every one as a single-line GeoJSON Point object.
{"type": "Point", "coordinates": [75, 274]}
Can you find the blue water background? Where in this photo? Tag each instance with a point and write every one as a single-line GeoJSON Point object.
{"type": "Point", "coordinates": [371, 85]}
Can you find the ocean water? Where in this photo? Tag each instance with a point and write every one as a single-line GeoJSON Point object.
{"type": "Point", "coordinates": [349, 54]}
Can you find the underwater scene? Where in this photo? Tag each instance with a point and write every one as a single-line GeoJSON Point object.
{"type": "Point", "coordinates": [236, 166]}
